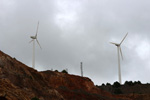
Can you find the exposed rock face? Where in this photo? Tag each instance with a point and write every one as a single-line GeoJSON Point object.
{"type": "Point", "coordinates": [71, 86]}
{"type": "Point", "coordinates": [20, 82]}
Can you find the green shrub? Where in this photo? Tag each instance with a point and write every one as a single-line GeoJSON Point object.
{"type": "Point", "coordinates": [64, 71]}
{"type": "Point", "coordinates": [35, 98]}
{"type": "Point", "coordinates": [116, 84]}
{"type": "Point", "coordinates": [56, 70]}
{"type": "Point", "coordinates": [103, 84]}
{"type": "Point", "coordinates": [137, 82]}
{"type": "Point", "coordinates": [108, 84]}
{"type": "Point", "coordinates": [130, 83]}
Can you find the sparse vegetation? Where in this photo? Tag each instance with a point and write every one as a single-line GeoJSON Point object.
{"type": "Point", "coordinates": [130, 83]}
{"type": "Point", "coordinates": [117, 91]}
{"type": "Point", "coordinates": [128, 87]}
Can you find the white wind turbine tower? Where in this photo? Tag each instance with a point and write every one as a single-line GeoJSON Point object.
{"type": "Point", "coordinates": [33, 40]}
{"type": "Point", "coordinates": [119, 50]}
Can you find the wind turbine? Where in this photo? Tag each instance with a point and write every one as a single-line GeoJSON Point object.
{"type": "Point", "coordinates": [33, 40]}
{"type": "Point", "coordinates": [119, 51]}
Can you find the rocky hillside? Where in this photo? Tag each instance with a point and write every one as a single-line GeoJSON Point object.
{"type": "Point", "coordinates": [20, 82]}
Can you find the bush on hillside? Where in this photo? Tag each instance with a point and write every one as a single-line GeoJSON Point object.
{"type": "Point", "coordinates": [56, 71]}
{"type": "Point", "coordinates": [137, 82]}
{"type": "Point", "coordinates": [129, 83]}
{"type": "Point", "coordinates": [64, 71]}
{"type": "Point", "coordinates": [116, 84]}
{"type": "Point", "coordinates": [103, 84]}
{"type": "Point", "coordinates": [108, 84]}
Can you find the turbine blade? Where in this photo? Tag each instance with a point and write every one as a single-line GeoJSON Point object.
{"type": "Point", "coordinates": [31, 41]}
{"type": "Point", "coordinates": [37, 29]}
{"type": "Point", "coordinates": [121, 53]}
{"type": "Point", "coordinates": [123, 38]}
{"type": "Point", "coordinates": [113, 43]}
{"type": "Point", "coordinates": [38, 43]}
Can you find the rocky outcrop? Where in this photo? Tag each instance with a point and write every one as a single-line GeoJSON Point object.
{"type": "Point", "coordinates": [71, 86]}
{"type": "Point", "coordinates": [20, 82]}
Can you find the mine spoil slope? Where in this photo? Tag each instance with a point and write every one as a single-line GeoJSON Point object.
{"type": "Point", "coordinates": [20, 82]}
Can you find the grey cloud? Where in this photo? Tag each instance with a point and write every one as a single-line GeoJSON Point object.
{"type": "Point", "coordinates": [78, 30]}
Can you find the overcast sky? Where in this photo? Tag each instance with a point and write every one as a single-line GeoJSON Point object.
{"type": "Point", "coordinates": [71, 31]}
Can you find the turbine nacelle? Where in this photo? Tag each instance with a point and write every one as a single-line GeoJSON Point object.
{"type": "Point", "coordinates": [116, 44]}
{"type": "Point", "coordinates": [33, 37]}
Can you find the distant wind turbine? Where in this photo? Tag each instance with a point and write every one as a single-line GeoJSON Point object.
{"type": "Point", "coordinates": [119, 49]}
{"type": "Point", "coordinates": [33, 40]}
